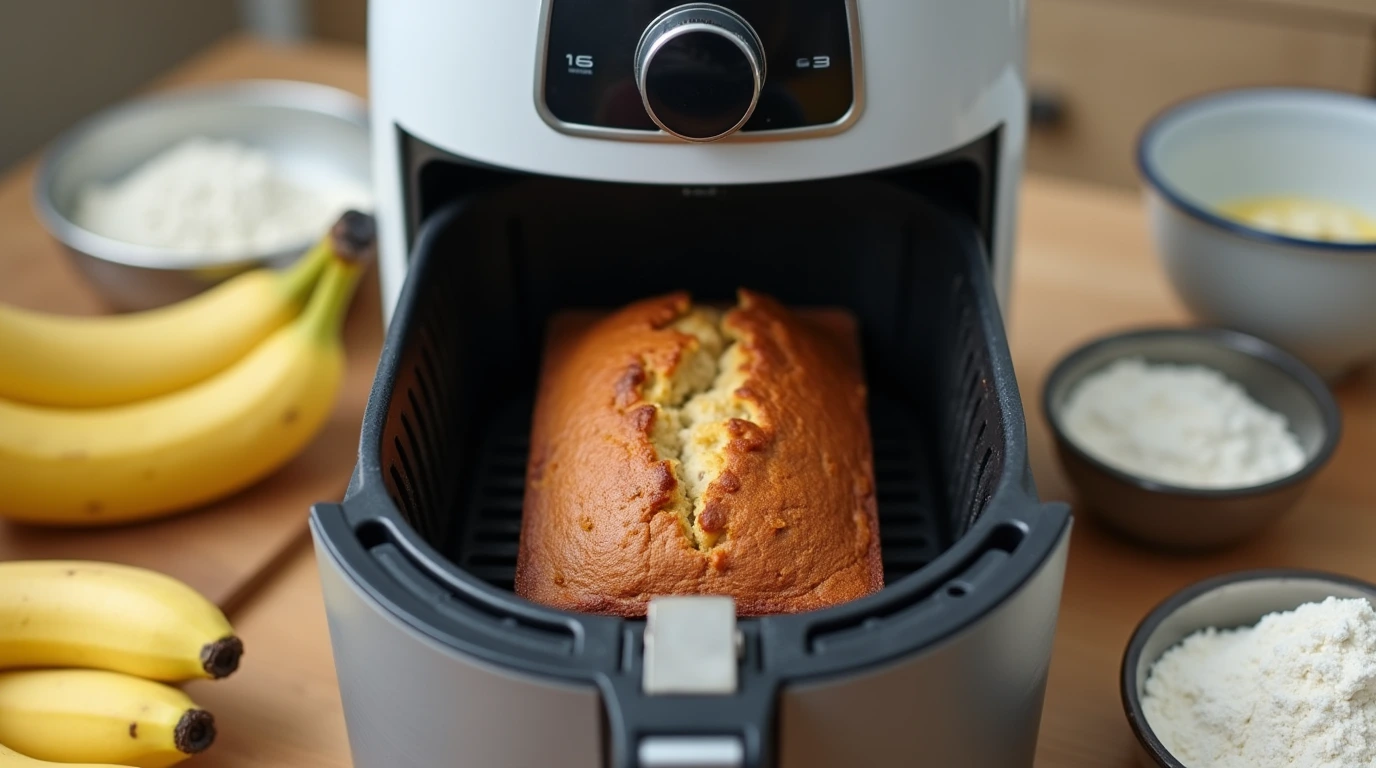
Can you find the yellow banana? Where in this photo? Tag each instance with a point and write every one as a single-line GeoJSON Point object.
{"type": "Point", "coordinates": [63, 613]}
{"type": "Point", "coordinates": [95, 716]}
{"type": "Point", "coordinates": [11, 759]}
{"type": "Point", "coordinates": [97, 466]}
{"type": "Point", "coordinates": [61, 360]}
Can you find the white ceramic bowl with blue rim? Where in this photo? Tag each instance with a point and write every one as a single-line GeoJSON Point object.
{"type": "Point", "coordinates": [1316, 299]}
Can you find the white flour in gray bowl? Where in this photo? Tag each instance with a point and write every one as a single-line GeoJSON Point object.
{"type": "Point", "coordinates": [1297, 690]}
{"type": "Point", "coordinates": [1185, 425]}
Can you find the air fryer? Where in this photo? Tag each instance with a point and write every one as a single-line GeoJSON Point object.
{"type": "Point", "coordinates": [439, 662]}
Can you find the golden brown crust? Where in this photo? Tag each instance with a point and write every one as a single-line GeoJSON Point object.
{"type": "Point", "coordinates": [674, 453]}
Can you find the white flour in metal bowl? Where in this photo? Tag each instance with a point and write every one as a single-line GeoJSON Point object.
{"type": "Point", "coordinates": [1186, 425]}
{"type": "Point", "coordinates": [215, 199]}
{"type": "Point", "coordinates": [1298, 690]}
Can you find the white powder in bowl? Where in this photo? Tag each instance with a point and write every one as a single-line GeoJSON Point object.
{"type": "Point", "coordinates": [1298, 690]}
{"type": "Point", "coordinates": [1185, 425]}
{"type": "Point", "coordinates": [215, 199]}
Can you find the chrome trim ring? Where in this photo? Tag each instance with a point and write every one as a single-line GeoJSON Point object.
{"type": "Point", "coordinates": [753, 50]}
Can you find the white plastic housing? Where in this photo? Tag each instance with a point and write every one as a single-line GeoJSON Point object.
{"type": "Point", "coordinates": [461, 74]}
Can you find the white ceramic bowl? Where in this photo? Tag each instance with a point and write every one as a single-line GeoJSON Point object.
{"type": "Point", "coordinates": [1315, 299]}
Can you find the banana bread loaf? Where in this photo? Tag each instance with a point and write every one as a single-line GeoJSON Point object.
{"type": "Point", "coordinates": [678, 449]}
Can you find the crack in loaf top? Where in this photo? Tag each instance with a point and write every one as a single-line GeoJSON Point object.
{"type": "Point", "coordinates": [682, 449]}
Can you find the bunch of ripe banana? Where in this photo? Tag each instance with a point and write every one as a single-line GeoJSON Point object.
{"type": "Point", "coordinates": [125, 417]}
{"type": "Point", "coordinates": [86, 654]}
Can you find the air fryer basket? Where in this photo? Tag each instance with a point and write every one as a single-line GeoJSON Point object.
{"type": "Point", "coordinates": [431, 523]}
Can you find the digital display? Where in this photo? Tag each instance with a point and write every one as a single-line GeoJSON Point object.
{"type": "Point", "coordinates": [589, 77]}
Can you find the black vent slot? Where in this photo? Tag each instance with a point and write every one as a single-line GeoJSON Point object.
{"type": "Point", "coordinates": [910, 530]}
{"type": "Point", "coordinates": [416, 451]}
{"type": "Point", "coordinates": [974, 432]}
{"type": "Point", "coordinates": [422, 444]}
{"type": "Point", "coordinates": [492, 530]}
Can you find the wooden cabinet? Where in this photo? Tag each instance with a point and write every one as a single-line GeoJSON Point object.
{"type": "Point", "coordinates": [1100, 69]}
{"type": "Point", "coordinates": [344, 21]}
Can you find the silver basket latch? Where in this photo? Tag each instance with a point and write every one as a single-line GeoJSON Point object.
{"type": "Point", "coordinates": [691, 646]}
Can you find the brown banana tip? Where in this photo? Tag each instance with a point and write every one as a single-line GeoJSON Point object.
{"type": "Point", "coordinates": [195, 732]}
{"type": "Point", "coordinates": [354, 237]}
{"type": "Point", "coordinates": [220, 658]}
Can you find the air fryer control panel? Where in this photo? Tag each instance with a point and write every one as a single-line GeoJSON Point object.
{"type": "Point", "coordinates": [674, 70]}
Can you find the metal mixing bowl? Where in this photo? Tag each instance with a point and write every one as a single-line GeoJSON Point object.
{"type": "Point", "coordinates": [317, 134]}
{"type": "Point", "coordinates": [1189, 518]}
{"type": "Point", "coordinates": [1225, 602]}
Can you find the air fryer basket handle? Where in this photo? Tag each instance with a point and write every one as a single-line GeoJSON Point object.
{"type": "Point", "coordinates": [725, 731]}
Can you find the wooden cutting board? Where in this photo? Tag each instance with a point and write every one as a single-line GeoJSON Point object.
{"type": "Point", "coordinates": [225, 549]}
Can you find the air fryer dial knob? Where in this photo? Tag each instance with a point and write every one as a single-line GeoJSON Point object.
{"type": "Point", "coordinates": [700, 68]}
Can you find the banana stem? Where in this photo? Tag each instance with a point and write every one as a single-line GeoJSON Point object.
{"type": "Point", "coordinates": [298, 279]}
{"type": "Point", "coordinates": [195, 732]}
{"type": "Point", "coordinates": [323, 317]}
{"type": "Point", "coordinates": [221, 658]}
{"type": "Point", "coordinates": [351, 244]}
{"type": "Point", "coordinates": [354, 237]}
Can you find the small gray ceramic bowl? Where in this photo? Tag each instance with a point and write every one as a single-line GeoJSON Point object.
{"type": "Point", "coordinates": [1225, 602]}
{"type": "Point", "coordinates": [1175, 517]}
{"type": "Point", "coordinates": [318, 134]}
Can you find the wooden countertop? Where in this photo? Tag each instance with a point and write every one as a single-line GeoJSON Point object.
{"type": "Point", "coordinates": [1084, 268]}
